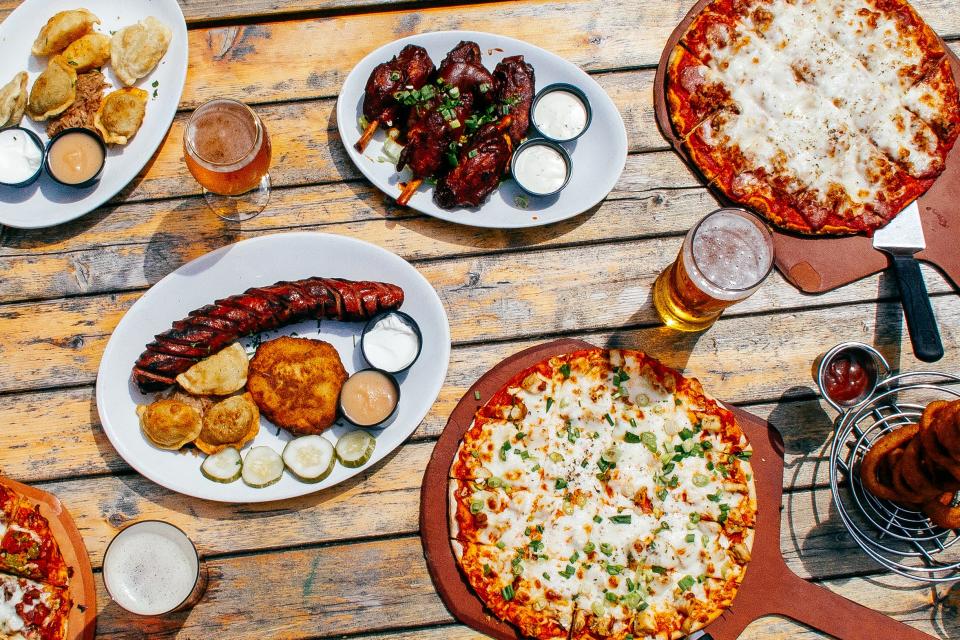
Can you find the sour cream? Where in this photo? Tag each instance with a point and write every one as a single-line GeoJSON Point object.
{"type": "Point", "coordinates": [19, 156]}
{"type": "Point", "coordinates": [560, 115]}
{"type": "Point", "coordinates": [391, 344]}
{"type": "Point", "coordinates": [540, 169]}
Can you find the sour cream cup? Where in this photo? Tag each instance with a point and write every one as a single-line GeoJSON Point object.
{"type": "Point", "coordinates": [518, 170]}
{"type": "Point", "coordinates": [372, 349]}
{"type": "Point", "coordinates": [543, 127]}
{"type": "Point", "coordinates": [92, 179]}
{"type": "Point", "coordinates": [35, 139]}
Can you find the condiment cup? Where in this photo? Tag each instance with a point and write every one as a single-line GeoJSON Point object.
{"type": "Point", "coordinates": [76, 185]}
{"type": "Point", "coordinates": [377, 318]}
{"type": "Point", "coordinates": [546, 143]}
{"type": "Point", "coordinates": [43, 158]}
{"type": "Point", "coordinates": [396, 386]}
{"type": "Point", "coordinates": [569, 88]}
{"type": "Point", "coordinates": [874, 366]}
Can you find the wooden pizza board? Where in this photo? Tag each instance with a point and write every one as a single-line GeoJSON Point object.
{"type": "Point", "coordinates": [82, 624]}
{"type": "Point", "coordinates": [769, 587]}
{"type": "Point", "coordinates": [817, 264]}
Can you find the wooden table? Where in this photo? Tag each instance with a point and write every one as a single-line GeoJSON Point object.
{"type": "Point", "coordinates": [348, 561]}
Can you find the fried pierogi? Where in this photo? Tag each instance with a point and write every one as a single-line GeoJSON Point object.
{"type": "Point", "coordinates": [92, 51]}
{"type": "Point", "coordinates": [53, 91]}
{"type": "Point", "coordinates": [121, 114]}
{"type": "Point", "coordinates": [136, 50]}
{"type": "Point", "coordinates": [229, 423]}
{"type": "Point", "coordinates": [170, 423]}
{"type": "Point", "coordinates": [221, 374]}
{"type": "Point", "coordinates": [62, 29]}
{"type": "Point", "coordinates": [13, 100]}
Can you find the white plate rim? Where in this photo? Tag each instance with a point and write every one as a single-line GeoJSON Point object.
{"type": "Point", "coordinates": [347, 130]}
{"type": "Point", "coordinates": [158, 128]}
{"type": "Point", "coordinates": [261, 495]}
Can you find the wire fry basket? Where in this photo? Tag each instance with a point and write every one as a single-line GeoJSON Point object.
{"type": "Point", "coordinates": [900, 539]}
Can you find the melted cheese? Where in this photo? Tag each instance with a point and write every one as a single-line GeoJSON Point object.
{"type": "Point", "coordinates": [821, 100]}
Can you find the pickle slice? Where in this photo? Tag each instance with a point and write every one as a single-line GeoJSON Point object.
{"type": "Point", "coordinates": [354, 449]}
{"type": "Point", "coordinates": [310, 458]}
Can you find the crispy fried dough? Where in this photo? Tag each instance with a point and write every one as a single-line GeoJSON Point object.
{"type": "Point", "coordinates": [169, 423]}
{"type": "Point", "coordinates": [221, 374]}
{"type": "Point", "coordinates": [13, 101]}
{"type": "Point", "coordinates": [941, 513]}
{"type": "Point", "coordinates": [932, 447]}
{"type": "Point", "coordinates": [120, 115]}
{"type": "Point", "coordinates": [62, 29]}
{"type": "Point", "coordinates": [878, 465]}
{"type": "Point", "coordinates": [232, 422]}
{"type": "Point", "coordinates": [53, 91]}
{"type": "Point", "coordinates": [92, 51]}
{"type": "Point", "coordinates": [136, 50]}
{"type": "Point", "coordinates": [296, 383]}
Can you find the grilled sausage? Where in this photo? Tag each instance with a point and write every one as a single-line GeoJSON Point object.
{"type": "Point", "coordinates": [209, 329]}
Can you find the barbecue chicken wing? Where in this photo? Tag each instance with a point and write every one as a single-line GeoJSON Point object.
{"type": "Point", "coordinates": [480, 166]}
{"type": "Point", "coordinates": [514, 91]}
{"type": "Point", "coordinates": [410, 69]}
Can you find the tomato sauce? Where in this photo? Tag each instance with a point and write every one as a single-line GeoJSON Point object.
{"type": "Point", "coordinates": [846, 379]}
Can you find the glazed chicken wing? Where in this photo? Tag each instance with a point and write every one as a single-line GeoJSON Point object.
{"type": "Point", "coordinates": [480, 166]}
{"type": "Point", "coordinates": [432, 127]}
{"type": "Point", "coordinates": [410, 69]}
{"type": "Point", "coordinates": [514, 91]}
{"type": "Point", "coordinates": [463, 69]}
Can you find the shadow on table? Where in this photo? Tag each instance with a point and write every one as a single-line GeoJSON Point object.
{"type": "Point", "coordinates": [888, 323]}
{"type": "Point", "coordinates": [945, 616]}
{"type": "Point", "coordinates": [114, 621]}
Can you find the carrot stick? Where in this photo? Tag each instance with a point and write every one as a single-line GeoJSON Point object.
{"type": "Point", "coordinates": [408, 191]}
{"type": "Point", "coordinates": [367, 135]}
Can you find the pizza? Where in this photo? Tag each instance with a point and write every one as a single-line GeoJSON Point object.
{"type": "Point", "coordinates": [826, 117]}
{"type": "Point", "coordinates": [600, 494]}
{"type": "Point", "coordinates": [34, 578]}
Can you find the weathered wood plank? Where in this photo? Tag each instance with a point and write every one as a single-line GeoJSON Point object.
{"type": "Point", "coordinates": [376, 586]}
{"type": "Point", "coordinates": [501, 297]}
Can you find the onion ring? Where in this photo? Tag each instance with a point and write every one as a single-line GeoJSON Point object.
{"type": "Point", "coordinates": [932, 449]}
{"type": "Point", "coordinates": [941, 513]}
{"type": "Point", "coordinates": [915, 475]}
{"type": "Point", "coordinates": [876, 460]}
{"type": "Point", "coordinates": [948, 429]}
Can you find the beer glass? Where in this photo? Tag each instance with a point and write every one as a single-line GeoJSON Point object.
{"type": "Point", "coordinates": [151, 568]}
{"type": "Point", "coordinates": [723, 260]}
{"type": "Point", "coordinates": [227, 149]}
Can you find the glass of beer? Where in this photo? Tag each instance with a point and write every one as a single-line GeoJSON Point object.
{"type": "Point", "coordinates": [723, 260]}
{"type": "Point", "coordinates": [227, 149]}
{"type": "Point", "coordinates": [151, 568]}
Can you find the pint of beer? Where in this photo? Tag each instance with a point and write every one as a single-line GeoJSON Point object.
{"type": "Point", "coordinates": [227, 149]}
{"type": "Point", "coordinates": [723, 260]}
{"type": "Point", "coordinates": [152, 568]}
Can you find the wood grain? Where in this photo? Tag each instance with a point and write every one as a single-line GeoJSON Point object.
{"type": "Point", "coordinates": [375, 586]}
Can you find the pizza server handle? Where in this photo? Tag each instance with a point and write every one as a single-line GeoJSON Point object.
{"type": "Point", "coordinates": [815, 606]}
{"type": "Point", "coordinates": [921, 322]}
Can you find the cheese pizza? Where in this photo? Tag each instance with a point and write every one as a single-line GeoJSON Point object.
{"type": "Point", "coordinates": [600, 494]}
{"type": "Point", "coordinates": [827, 117]}
{"type": "Point", "coordinates": [34, 603]}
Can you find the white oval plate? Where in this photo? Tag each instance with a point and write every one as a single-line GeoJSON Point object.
{"type": "Point", "coordinates": [46, 203]}
{"type": "Point", "coordinates": [599, 155]}
{"type": "Point", "coordinates": [231, 270]}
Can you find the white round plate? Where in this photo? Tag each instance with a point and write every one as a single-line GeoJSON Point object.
{"type": "Point", "coordinates": [231, 270]}
{"type": "Point", "coordinates": [599, 155]}
{"type": "Point", "coordinates": [46, 203]}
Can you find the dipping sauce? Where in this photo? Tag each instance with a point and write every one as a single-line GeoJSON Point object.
{"type": "Point", "coordinates": [368, 397]}
{"type": "Point", "coordinates": [19, 156]}
{"type": "Point", "coordinates": [75, 157]}
{"type": "Point", "coordinates": [560, 115]}
{"type": "Point", "coordinates": [846, 379]}
{"type": "Point", "coordinates": [540, 169]}
{"type": "Point", "coordinates": [391, 344]}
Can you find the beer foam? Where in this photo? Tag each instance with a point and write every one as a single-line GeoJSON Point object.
{"type": "Point", "coordinates": [731, 255]}
{"type": "Point", "coordinates": [149, 571]}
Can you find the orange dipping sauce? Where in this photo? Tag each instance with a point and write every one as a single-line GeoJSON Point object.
{"type": "Point", "coordinates": [75, 157]}
{"type": "Point", "coordinates": [368, 398]}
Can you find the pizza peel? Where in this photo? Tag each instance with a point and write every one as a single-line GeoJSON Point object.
{"type": "Point", "coordinates": [819, 264]}
{"type": "Point", "coordinates": [769, 587]}
{"type": "Point", "coordinates": [82, 623]}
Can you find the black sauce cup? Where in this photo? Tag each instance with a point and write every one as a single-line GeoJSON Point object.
{"type": "Point", "coordinates": [544, 143]}
{"type": "Point", "coordinates": [95, 177]}
{"type": "Point", "coordinates": [569, 88]}
{"type": "Point", "coordinates": [373, 322]}
{"type": "Point", "coordinates": [379, 423]}
{"type": "Point", "coordinates": [43, 157]}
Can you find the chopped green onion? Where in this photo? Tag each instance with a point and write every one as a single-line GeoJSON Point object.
{"type": "Point", "coordinates": [476, 395]}
{"type": "Point", "coordinates": [685, 583]}
{"type": "Point", "coordinates": [560, 484]}
{"type": "Point", "coordinates": [555, 457]}
{"type": "Point", "coordinates": [658, 570]}
{"type": "Point", "coordinates": [606, 549]}
{"type": "Point", "coordinates": [609, 419]}
{"type": "Point", "coordinates": [484, 87]}
{"type": "Point", "coordinates": [621, 519]}
{"type": "Point", "coordinates": [394, 75]}
{"type": "Point", "coordinates": [686, 434]}
{"type": "Point", "coordinates": [494, 482]}
{"type": "Point", "coordinates": [568, 571]}
{"type": "Point", "coordinates": [597, 519]}
{"type": "Point", "coordinates": [454, 124]}
{"type": "Point", "coordinates": [614, 569]}
{"type": "Point", "coordinates": [476, 506]}
{"type": "Point", "coordinates": [589, 547]}
{"type": "Point", "coordinates": [631, 437]}
{"type": "Point", "coordinates": [507, 592]}
{"type": "Point", "coordinates": [565, 370]}
{"type": "Point", "coordinates": [700, 480]}
{"type": "Point", "coordinates": [549, 400]}
{"type": "Point", "coordinates": [690, 537]}
{"type": "Point", "coordinates": [649, 440]}
{"type": "Point", "coordinates": [611, 596]}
